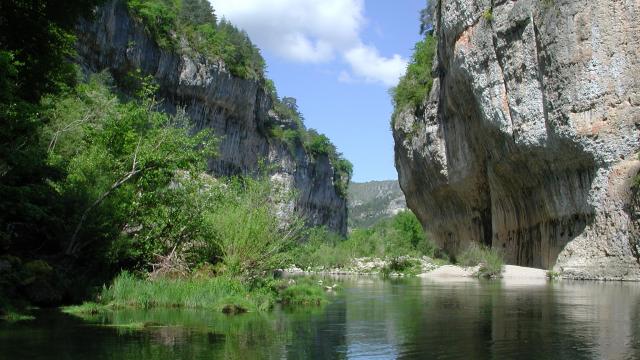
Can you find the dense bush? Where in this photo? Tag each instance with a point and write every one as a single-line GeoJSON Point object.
{"type": "Point", "coordinates": [415, 85]}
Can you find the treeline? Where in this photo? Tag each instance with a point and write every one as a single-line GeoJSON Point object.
{"type": "Point", "coordinates": [167, 21]}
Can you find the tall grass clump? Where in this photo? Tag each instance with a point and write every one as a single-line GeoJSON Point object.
{"type": "Point", "coordinates": [248, 235]}
{"type": "Point", "coordinates": [490, 260]}
{"type": "Point", "coordinates": [218, 293]}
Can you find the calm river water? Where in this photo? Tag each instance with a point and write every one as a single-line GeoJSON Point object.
{"type": "Point", "coordinates": [369, 319]}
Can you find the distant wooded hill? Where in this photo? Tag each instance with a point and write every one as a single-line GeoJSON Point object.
{"type": "Point", "coordinates": [372, 201]}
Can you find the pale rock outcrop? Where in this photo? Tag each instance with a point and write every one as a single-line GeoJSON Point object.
{"type": "Point", "coordinates": [529, 139]}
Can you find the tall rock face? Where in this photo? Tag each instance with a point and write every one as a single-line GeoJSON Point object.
{"type": "Point", "coordinates": [529, 139]}
{"type": "Point", "coordinates": [239, 111]}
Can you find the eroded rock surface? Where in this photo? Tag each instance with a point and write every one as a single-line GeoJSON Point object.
{"type": "Point", "coordinates": [529, 139]}
{"type": "Point", "coordinates": [239, 111]}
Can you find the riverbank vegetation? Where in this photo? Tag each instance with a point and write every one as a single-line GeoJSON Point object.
{"type": "Point", "coordinates": [395, 239]}
{"type": "Point", "coordinates": [489, 260]}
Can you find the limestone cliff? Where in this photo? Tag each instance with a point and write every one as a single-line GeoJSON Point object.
{"type": "Point", "coordinates": [529, 139]}
{"type": "Point", "coordinates": [239, 111]}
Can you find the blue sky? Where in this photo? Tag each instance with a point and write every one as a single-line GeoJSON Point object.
{"type": "Point", "coordinates": [338, 58]}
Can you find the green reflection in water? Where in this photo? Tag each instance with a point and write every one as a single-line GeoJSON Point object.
{"type": "Point", "coordinates": [370, 318]}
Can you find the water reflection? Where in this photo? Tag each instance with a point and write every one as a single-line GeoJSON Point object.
{"type": "Point", "coordinates": [406, 319]}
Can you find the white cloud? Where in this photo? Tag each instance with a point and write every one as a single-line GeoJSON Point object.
{"type": "Point", "coordinates": [307, 31]}
{"type": "Point", "coordinates": [313, 31]}
{"type": "Point", "coordinates": [368, 64]}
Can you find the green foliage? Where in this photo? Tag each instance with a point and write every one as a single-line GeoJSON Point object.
{"type": "Point", "coordinates": [390, 239]}
{"type": "Point", "coordinates": [218, 293]}
{"type": "Point", "coordinates": [490, 260]}
{"type": "Point", "coordinates": [487, 15]}
{"type": "Point", "coordinates": [167, 21]}
{"type": "Point", "coordinates": [250, 239]}
{"type": "Point", "coordinates": [415, 85]}
{"type": "Point", "coordinates": [314, 143]}
{"type": "Point", "coordinates": [119, 159]}
{"type": "Point", "coordinates": [401, 265]}
{"type": "Point", "coordinates": [303, 293]}
{"type": "Point", "coordinates": [319, 144]}
{"type": "Point", "coordinates": [159, 17]}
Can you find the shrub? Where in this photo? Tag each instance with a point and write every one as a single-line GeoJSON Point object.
{"type": "Point", "coordinates": [390, 239]}
{"type": "Point", "coordinates": [251, 239]}
{"type": "Point", "coordinates": [490, 260]}
{"type": "Point", "coordinates": [303, 294]}
{"type": "Point", "coordinates": [487, 15]}
{"type": "Point", "coordinates": [415, 85]}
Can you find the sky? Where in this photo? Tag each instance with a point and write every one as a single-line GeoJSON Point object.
{"type": "Point", "coordinates": [338, 58]}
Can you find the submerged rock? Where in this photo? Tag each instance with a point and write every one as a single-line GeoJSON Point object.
{"type": "Point", "coordinates": [529, 139]}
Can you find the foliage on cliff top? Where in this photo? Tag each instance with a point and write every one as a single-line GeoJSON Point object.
{"type": "Point", "coordinates": [194, 20]}
{"type": "Point", "coordinates": [415, 85]}
{"type": "Point", "coordinates": [314, 143]}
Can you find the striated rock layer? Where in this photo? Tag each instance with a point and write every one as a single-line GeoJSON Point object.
{"type": "Point", "coordinates": [529, 139]}
{"type": "Point", "coordinates": [239, 111]}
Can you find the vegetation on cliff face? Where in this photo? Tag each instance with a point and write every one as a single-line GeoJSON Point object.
{"type": "Point", "coordinates": [169, 21]}
{"type": "Point", "coordinates": [295, 134]}
{"type": "Point", "coordinates": [373, 201]}
{"type": "Point", "coordinates": [415, 85]}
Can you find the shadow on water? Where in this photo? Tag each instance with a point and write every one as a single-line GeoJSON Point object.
{"type": "Point", "coordinates": [370, 318]}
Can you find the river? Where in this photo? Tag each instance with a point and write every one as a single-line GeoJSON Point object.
{"type": "Point", "coordinates": [369, 318]}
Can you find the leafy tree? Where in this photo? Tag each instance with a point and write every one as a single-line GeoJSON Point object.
{"type": "Point", "coordinates": [197, 12]}
{"type": "Point", "coordinates": [36, 42]}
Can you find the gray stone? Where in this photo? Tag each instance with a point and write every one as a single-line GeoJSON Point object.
{"type": "Point", "coordinates": [529, 139]}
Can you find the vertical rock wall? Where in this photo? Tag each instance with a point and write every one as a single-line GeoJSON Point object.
{"type": "Point", "coordinates": [239, 111]}
{"type": "Point", "coordinates": [529, 139]}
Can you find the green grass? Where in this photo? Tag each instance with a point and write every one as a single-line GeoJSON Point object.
{"type": "Point", "coordinates": [303, 294]}
{"type": "Point", "coordinates": [218, 293]}
{"type": "Point", "coordinates": [86, 308]}
{"type": "Point", "coordinates": [221, 294]}
{"type": "Point", "coordinates": [12, 316]}
{"type": "Point", "coordinates": [490, 260]}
